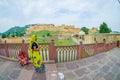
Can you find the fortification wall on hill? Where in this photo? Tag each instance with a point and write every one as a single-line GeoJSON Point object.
{"type": "Point", "coordinates": [52, 27]}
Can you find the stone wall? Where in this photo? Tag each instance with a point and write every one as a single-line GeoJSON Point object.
{"type": "Point", "coordinates": [51, 27]}
{"type": "Point", "coordinates": [15, 40]}
{"type": "Point", "coordinates": [99, 38]}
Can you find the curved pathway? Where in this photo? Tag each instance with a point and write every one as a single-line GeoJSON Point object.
{"type": "Point", "coordinates": [103, 66]}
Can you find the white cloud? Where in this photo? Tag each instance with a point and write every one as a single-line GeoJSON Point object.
{"type": "Point", "coordinates": [28, 9]}
{"type": "Point", "coordinates": [89, 13]}
{"type": "Point", "coordinates": [6, 23]}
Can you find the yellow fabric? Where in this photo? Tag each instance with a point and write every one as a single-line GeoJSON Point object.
{"type": "Point", "coordinates": [35, 55]}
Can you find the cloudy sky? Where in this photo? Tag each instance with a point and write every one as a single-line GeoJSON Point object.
{"type": "Point", "coordinates": [89, 13]}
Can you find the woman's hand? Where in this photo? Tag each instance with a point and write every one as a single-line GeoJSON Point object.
{"type": "Point", "coordinates": [36, 49]}
{"type": "Point", "coordinates": [39, 47]}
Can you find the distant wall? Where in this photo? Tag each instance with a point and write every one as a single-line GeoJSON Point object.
{"type": "Point", "coordinates": [86, 39]}
{"type": "Point", "coordinates": [15, 40]}
{"type": "Point", "coordinates": [50, 27]}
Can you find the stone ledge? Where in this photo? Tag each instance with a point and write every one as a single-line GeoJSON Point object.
{"type": "Point", "coordinates": [10, 59]}
{"type": "Point", "coordinates": [16, 60]}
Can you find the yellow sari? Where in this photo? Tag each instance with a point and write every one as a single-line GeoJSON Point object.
{"type": "Point", "coordinates": [35, 55]}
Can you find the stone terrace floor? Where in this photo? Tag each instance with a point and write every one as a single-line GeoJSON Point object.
{"type": "Point", "coordinates": [14, 71]}
{"type": "Point", "coordinates": [103, 66]}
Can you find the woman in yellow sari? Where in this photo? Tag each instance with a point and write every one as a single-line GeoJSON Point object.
{"type": "Point", "coordinates": [35, 55]}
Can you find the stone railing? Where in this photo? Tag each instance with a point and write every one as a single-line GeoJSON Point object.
{"type": "Point", "coordinates": [66, 53]}
{"type": "Point", "coordinates": [58, 53]}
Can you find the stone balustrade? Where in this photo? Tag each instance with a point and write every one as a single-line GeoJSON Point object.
{"type": "Point", "coordinates": [58, 53]}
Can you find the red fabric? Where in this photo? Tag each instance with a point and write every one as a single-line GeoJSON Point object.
{"type": "Point", "coordinates": [22, 58]}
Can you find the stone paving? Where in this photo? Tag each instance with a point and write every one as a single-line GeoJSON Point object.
{"type": "Point", "coordinates": [103, 66]}
{"type": "Point", "coordinates": [14, 71]}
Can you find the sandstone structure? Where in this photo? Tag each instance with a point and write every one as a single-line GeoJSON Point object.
{"type": "Point", "coordinates": [52, 27]}
{"type": "Point", "coordinates": [92, 31]}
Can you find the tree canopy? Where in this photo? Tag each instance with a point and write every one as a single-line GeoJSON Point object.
{"type": "Point", "coordinates": [85, 29]}
{"type": "Point", "coordinates": [48, 34]}
{"type": "Point", "coordinates": [3, 35]}
{"type": "Point", "coordinates": [16, 31]}
{"type": "Point", "coordinates": [104, 28]}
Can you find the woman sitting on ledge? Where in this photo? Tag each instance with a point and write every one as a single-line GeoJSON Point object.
{"type": "Point", "coordinates": [22, 58]}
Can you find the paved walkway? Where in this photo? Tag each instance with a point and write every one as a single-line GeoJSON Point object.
{"type": "Point", "coordinates": [14, 71]}
{"type": "Point", "coordinates": [104, 66]}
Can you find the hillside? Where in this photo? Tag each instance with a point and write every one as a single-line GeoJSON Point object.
{"type": "Point", "coordinates": [15, 31]}
{"type": "Point", "coordinates": [43, 30]}
{"type": "Point", "coordinates": [0, 34]}
{"type": "Point", "coordinates": [43, 33]}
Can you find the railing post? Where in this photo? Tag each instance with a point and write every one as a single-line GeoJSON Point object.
{"type": "Point", "coordinates": [6, 49]}
{"type": "Point", "coordinates": [79, 51]}
{"type": "Point", "coordinates": [104, 41]}
{"type": "Point", "coordinates": [52, 51]}
{"type": "Point", "coordinates": [115, 44]}
{"type": "Point", "coordinates": [118, 43]}
{"type": "Point", "coordinates": [95, 48]}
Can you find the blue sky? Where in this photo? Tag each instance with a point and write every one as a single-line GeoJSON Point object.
{"type": "Point", "coordinates": [89, 13]}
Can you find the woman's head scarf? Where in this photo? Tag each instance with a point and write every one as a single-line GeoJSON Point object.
{"type": "Point", "coordinates": [33, 39]}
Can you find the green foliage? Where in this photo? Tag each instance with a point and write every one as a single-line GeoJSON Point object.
{"type": "Point", "coordinates": [3, 35]}
{"type": "Point", "coordinates": [15, 31]}
{"type": "Point", "coordinates": [85, 29]}
{"type": "Point", "coordinates": [48, 34]}
{"type": "Point", "coordinates": [43, 36]}
{"type": "Point", "coordinates": [57, 42]}
{"type": "Point", "coordinates": [12, 35]}
{"type": "Point", "coordinates": [104, 28]}
{"type": "Point", "coordinates": [65, 42]}
{"type": "Point", "coordinates": [43, 40]}
{"type": "Point", "coordinates": [43, 33]}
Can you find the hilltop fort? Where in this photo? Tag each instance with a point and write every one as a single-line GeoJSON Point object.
{"type": "Point", "coordinates": [52, 27]}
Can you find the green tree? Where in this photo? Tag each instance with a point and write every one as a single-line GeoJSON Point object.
{"type": "Point", "coordinates": [3, 35]}
{"type": "Point", "coordinates": [21, 34]}
{"type": "Point", "coordinates": [43, 36]}
{"type": "Point", "coordinates": [48, 34]}
{"type": "Point", "coordinates": [12, 35]}
{"type": "Point", "coordinates": [104, 28]}
{"type": "Point", "coordinates": [85, 29]}
{"type": "Point", "coordinates": [17, 34]}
